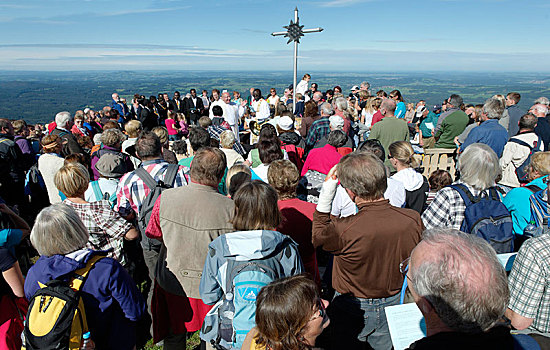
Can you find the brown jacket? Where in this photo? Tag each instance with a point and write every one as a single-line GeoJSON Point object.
{"type": "Point", "coordinates": [368, 247]}
{"type": "Point", "coordinates": [190, 218]}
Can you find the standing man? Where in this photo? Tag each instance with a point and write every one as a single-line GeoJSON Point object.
{"type": "Point", "coordinates": [489, 132]}
{"type": "Point", "coordinates": [12, 176]}
{"type": "Point", "coordinates": [65, 122]}
{"type": "Point", "coordinates": [389, 129]}
{"type": "Point", "coordinates": [193, 107]}
{"type": "Point", "coordinates": [460, 287]}
{"type": "Point", "coordinates": [119, 105]}
{"type": "Point", "coordinates": [132, 191]}
{"type": "Point", "coordinates": [543, 126]}
{"type": "Point", "coordinates": [258, 106]}
{"type": "Point", "coordinates": [176, 104]}
{"type": "Point", "coordinates": [512, 114]}
{"type": "Point", "coordinates": [367, 248]}
{"type": "Point", "coordinates": [450, 124]}
{"type": "Point", "coordinates": [179, 221]}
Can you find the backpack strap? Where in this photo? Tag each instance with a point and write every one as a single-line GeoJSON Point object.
{"type": "Point", "coordinates": [533, 188]}
{"type": "Point", "coordinates": [80, 275]}
{"type": "Point", "coordinates": [146, 177]}
{"type": "Point", "coordinates": [493, 193]}
{"type": "Point", "coordinates": [97, 190]}
{"type": "Point", "coordinates": [171, 174]}
{"type": "Point", "coordinates": [522, 143]}
{"type": "Point", "coordinates": [465, 193]}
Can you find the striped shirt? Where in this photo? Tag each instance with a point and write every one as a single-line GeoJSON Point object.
{"type": "Point", "coordinates": [131, 191]}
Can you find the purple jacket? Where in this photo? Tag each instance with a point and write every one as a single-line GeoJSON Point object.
{"type": "Point", "coordinates": [110, 296]}
{"type": "Point", "coordinates": [24, 145]}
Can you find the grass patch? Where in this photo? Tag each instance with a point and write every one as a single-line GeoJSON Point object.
{"type": "Point", "coordinates": [192, 342]}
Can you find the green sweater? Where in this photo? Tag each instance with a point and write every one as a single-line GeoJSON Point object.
{"type": "Point", "coordinates": [388, 131]}
{"type": "Point", "coordinates": [453, 125]}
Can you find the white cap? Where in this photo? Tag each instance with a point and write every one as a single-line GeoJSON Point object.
{"type": "Point", "coordinates": [86, 110]}
{"type": "Point", "coordinates": [336, 122]}
{"type": "Point", "coordinates": [286, 123]}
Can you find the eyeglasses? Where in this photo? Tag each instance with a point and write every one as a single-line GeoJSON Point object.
{"type": "Point", "coordinates": [321, 309]}
{"type": "Point", "coordinates": [404, 266]}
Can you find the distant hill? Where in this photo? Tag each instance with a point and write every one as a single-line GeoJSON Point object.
{"type": "Point", "coordinates": [38, 96]}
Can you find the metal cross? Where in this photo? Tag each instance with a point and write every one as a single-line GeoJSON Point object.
{"type": "Point", "coordinates": [293, 32]}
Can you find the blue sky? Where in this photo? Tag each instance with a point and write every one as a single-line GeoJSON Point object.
{"type": "Point", "coordinates": [360, 35]}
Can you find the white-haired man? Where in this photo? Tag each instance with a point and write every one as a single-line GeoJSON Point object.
{"type": "Point", "coordinates": [120, 105]}
{"type": "Point", "coordinates": [489, 132]}
{"type": "Point", "coordinates": [460, 287]}
{"type": "Point", "coordinates": [543, 126]}
{"type": "Point", "coordinates": [231, 112]}
{"type": "Point", "coordinates": [64, 122]}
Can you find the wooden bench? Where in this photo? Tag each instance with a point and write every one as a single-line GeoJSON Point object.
{"type": "Point", "coordinates": [438, 158]}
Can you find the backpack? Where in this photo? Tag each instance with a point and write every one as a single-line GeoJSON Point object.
{"type": "Point", "coordinates": [523, 169]}
{"type": "Point", "coordinates": [99, 195]}
{"type": "Point", "coordinates": [156, 188]}
{"type": "Point", "coordinates": [56, 318]}
{"type": "Point", "coordinates": [539, 206]}
{"type": "Point", "coordinates": [487, 217]}
{"type": "Point", "coordinates": [295, 154]}
{"type": "Point", "coordinates": [237, 314]}
{"type": "Point", "coordinates": [35, 189]}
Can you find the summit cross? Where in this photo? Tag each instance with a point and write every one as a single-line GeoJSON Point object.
{"type": "Point", "coordinates": [293, 32]}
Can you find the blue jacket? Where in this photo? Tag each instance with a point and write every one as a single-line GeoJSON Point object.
{"type": "Point", "coordinates": [121, 108]}
{"type": "Point", "coordinates": [491, 133]}
{"type": "Point", "coordinates": [110, 296]}
{"type": "Point", "coordinates": [242, 246]}
{"type": "Point", "coordinates": [518, 204]}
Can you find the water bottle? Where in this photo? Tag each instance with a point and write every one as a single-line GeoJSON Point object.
{"type": "Point", "coordinates": [226, 313]}
{"type": "Point", "coordinates": [87, 342]}
{"type": "Point", "coordinates": [23, 341]}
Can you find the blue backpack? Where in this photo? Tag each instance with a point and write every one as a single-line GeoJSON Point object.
{"type": "Point", "coordinates": [487, 217]}
{"type": "Point", "coordinates": [540, 212]}
{"type": "Point", "coordinates": [237, 314]}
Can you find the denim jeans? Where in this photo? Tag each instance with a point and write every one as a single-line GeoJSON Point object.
{"type": "Point", "coordinates": [356, 322]}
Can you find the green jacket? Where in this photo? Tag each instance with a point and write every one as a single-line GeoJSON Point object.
{"type": "Point", "coordinates": [453, 125]}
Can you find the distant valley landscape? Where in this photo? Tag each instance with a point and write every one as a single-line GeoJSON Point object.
{"type": "Point", "coordinates": [38, 96]}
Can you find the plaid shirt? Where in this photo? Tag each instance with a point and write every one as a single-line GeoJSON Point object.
{"type": "Point", "coordinates": [132, 190]}
{"type": "Point", "coordinates": [318, 129]}
{"type": "Point", "coordinates": [447, 208]}
{"type": "Point", "coordinates": [215, 132]}
{"type": "Point", "coordinates": [106, 227]}
{"type": "Point", "coordinates": [529, 280]}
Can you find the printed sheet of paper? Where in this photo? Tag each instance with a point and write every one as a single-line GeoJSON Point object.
{"type": "Point", "coordinates": [507, 260]}
{"type": "Point", "coordinates": [406, 325]}
{"type": "Point", "coordinates": [430, 126]}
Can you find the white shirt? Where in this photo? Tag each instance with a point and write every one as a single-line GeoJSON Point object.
{"type": "Point", "coordinates": [231, 114]}
{"type": "Point", "coordinates": [261, 107]}
{"type": "Point", "coordinates": [302, 87]}
{"type": "Point", "coordinates": [343, 206]}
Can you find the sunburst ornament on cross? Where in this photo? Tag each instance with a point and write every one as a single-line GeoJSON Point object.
{"type": "Point", "coordinates": [294, 31]}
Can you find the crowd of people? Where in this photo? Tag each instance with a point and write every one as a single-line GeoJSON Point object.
{"type": "Point", "coordinates": [265, 226]}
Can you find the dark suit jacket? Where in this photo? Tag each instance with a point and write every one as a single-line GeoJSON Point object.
{"type": "Point", "coordinates": [173, 106]}
{"type": "Point", "coordinates": [188, 105]}
{"type": "Point", "coordinates": [148, 119]}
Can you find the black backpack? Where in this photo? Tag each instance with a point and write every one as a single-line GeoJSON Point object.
{"type": "Point", "coordinates": [156, 188]}
{"type": "Point", "coordinates": [522, 171]}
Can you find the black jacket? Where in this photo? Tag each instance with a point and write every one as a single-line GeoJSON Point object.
{"type": "Point", "coordinates": [70, 146]}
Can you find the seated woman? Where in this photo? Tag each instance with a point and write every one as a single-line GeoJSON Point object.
{"type": "Point", "coordinates": [269, 150]}
{"type": "Point", "coordinates": [112, 302]}
{"type": "Point", "coordinates": [297, 215]}
{"type": "Point", "coordinates": [240, 263]}
{"type": "Point", "coordinates": [300, 313]}
{"type": "Point", "coordinates": [416, 185]}
{"type": "Point", "coordinates": [227, 141]}
{"type": "Point", "coordinates": [517, 200]}
{"type": "Point", "coordinates": [106, 227]}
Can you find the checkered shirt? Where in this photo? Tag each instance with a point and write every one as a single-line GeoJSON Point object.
{"type": "Point", "coordinates": [131, 191]}
{"type": "Point", "coordinates": [447, 208]}
{"type": "Point", "coordinates": [529, 281]}
{"type": "Point", "coordinates": [106, 226]}
{"type": "Point", "coordinates": [318, 129]}
{"type": "Point", "coordinates": [215, 131]}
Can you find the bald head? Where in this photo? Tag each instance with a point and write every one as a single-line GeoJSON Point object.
{"type": "Point", "coordinates": [387, 108]}
{"type": "Point", "coordinates": [461, 278]}
{"type": "Point", "coordinates": [115, 96]}
{"type": "Point", "coordinates": [539, 109]}
{"type": "Point", "coordinates": [226, 97]}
